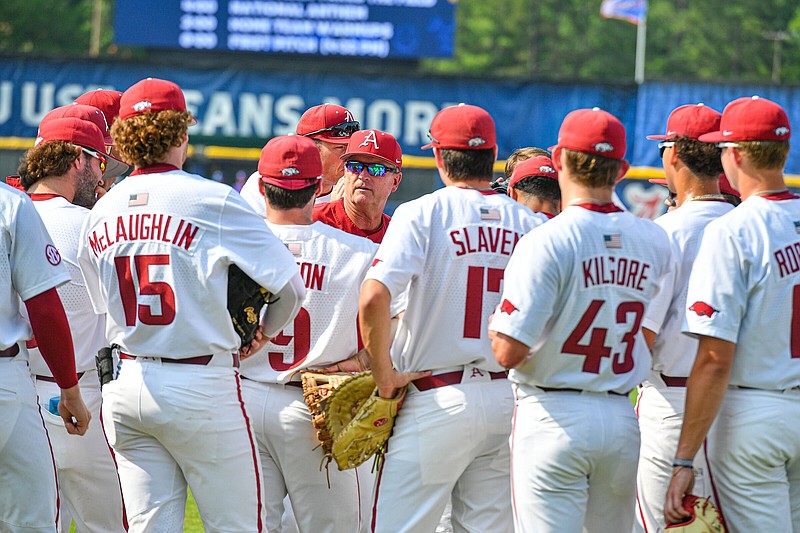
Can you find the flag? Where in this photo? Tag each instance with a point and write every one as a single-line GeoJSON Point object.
{"type": "Point", "coordinates": [612, 241]}
{"type": "Point", "coordinates": [633, 11]}
{"type": "Point", "coordinates": [295, 248]}
{"type": "Point", "coordinates": [488, 213]}
{"type": "Point", "coordinates": [139, 199]}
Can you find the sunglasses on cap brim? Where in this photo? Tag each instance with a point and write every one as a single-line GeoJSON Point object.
{"type": "Point", "coordinates": [343, 129]}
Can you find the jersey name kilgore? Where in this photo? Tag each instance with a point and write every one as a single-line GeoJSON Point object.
{"type": "Point", "coordinates": [788, 259]}
{"type": "Point", "coordinates": [614, 270]}
{"type": "Point", "coordinates": [484, 239]}
{"type": "Point", "coordinates": [143, 227]}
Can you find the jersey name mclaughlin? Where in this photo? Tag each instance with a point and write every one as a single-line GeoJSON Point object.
{"type": "Point", "coordinates": [614, 270]}
{"type": "Point", "coordinates": [484, 239]}
{"type": "Point", "coordinates": [143, 227]}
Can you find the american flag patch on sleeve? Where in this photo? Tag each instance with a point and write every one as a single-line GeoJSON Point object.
{"type": "Point", "coordinates": [295, 248]}
{"type": "Point", "coordinates": [487, 213]}
{"type": "Point", "coordinates": [138, 199]}
{"type": "Point", "coordinates": [612, 241]}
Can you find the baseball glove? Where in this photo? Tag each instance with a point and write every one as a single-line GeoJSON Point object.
{"type": "Point", "coordinates": [705, 517]}
{"type": "Point", "coordinates": [318, 387]}
{"type": "Point", "coordinates": [360, 421]}
{"type": "Point", "coordinates": [246, 298]}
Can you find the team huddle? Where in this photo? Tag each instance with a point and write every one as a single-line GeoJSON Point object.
{"type": "Point", "coordinates": [513, 318]}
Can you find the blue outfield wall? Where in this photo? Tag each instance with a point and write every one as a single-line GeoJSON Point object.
{"type": "Point", "coordinates": [247, 108]}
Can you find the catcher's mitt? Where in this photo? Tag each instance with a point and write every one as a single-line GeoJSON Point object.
{"type": "Point", "coordinates": [360, 421]}
{"type": "Point", "coordinates": [246, 298]}
{"type": "Point", "coordinates": [705, 517]}
{"type": "Point", "coordinates": [317, 388]}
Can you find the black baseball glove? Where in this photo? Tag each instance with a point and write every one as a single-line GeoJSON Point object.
{"type": "Point", "coordinates": [246, 299]}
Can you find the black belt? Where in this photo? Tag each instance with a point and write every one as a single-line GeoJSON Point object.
{"type": "Point", "coordinates": [11, 351]}
{"type": "Point", "coordinates": [550, 389]}
{"type": "Point", "coordinates": [448, 378]}
{"type": "Point", "coordinates": [198, 360]}
{"type": "Point", "coordinates": [673, 381]}
{"type": "Point", "coordinates": [51, 379]}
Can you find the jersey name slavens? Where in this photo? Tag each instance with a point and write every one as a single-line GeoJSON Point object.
{"type": "Point", "coordinates": [614, 270]}
{"type": "Point", "coordinates": [484, 239]}
{"type": "Point", "coordinates": [143, 227]}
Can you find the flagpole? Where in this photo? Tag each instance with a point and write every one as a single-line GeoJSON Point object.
{"type": "Point", "coordinates": [641, 44]}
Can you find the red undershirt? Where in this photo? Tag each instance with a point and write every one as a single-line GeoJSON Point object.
{"type": "Point", "coordinates": [333, 214]}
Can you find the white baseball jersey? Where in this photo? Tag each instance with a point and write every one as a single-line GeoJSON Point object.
{"type": "Point", "coordinates": [452, 246]}
{"type": "Point", "coordinates": [745, 288]}
{"type": "Point", "coordinates": [64, 221]}
{"type": "Point", "coordinates": [674, 353]}
{"type": "Point", "coordinates": [252, 195]}
{"type": "Point", "coordinates": [29, 263]}
{"type": "Point", "coordinates": [155, 252]}
{"type": "Point", "coordinates": [333, 264]}
{"type": "Point", "coordinates": [575, 292]}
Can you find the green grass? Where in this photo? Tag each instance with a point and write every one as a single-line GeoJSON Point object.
{"type": "Point", "coordinates": [192, 523]}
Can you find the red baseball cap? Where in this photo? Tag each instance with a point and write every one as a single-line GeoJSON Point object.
{"type": "Point", "coordinates": [151, 95]}
{"type": "Point", "coordinates": [540, 165]}
{"type": "Point", "coordinates": [462, 127]}
{"type": "Point", "coordinates": [376, 143]}
{"type": "Point", "coordinates": [290, 162]}
{"type": "Point", "coordinates": [592, 131]}
{"type": "Point", "coordinates": [692, 120]}
{"type": "Point", "coordinates": [80, 133]}
{"type": "Point", "coordinates": [751, 119]}
{"type": "Point", "coordinates": [726, 187]}
{"type": "Point", "coordinates": [107, 101]}
{"type": "Point", "coordinates": [83, 112]}
{"type": "Point", "coordinates": [328, 122]}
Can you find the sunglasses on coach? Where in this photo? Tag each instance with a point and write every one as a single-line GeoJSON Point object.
{"type": "Point", "coordinates": [99, 157]}
{"type": "Point", "coordinates": [343, 129]}
{"type": "Point", "coordinates": [373, 169]}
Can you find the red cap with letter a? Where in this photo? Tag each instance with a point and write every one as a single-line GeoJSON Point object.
{"type": "Point", "coordinates": [290, 162]}
{"type": "Point", "coordinates": [462, 127]}
{"type": "Point", "coordinates": [328, 122]}
{"type": "Point", "coordinates": [541, 165]}
{"type": "Point", "coordinates": [690, 121]}
{"type": "Point", "coordinates": [151, 95]}
{"type": "Point", "coordinates": [376, 143]}
{"type": "Point", "coordinates": [751, 119]}
{"type": "Point", "coordinates": [592, 131]}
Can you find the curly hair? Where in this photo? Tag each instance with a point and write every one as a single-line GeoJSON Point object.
{"type": "Point", "coordinates": [521, 154]}
{"type": "Point", "coordinates": [592, 170]}
{"type": "Point", "coordinates": [701, 158]}
{"type": "Point", "coordinates": [145, 139]}
{"type": "Point", "coordinates": [766, 155]}
{"type": "Point", "coordinates": [48, 159]}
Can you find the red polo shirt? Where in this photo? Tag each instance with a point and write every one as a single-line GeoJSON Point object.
{"type": "Point", "coordinates": [333, 214]}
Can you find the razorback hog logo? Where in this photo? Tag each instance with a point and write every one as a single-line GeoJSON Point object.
{"type": "Point", "coordinates": [702, 309]}
{"type": "Point", "coordinates": [376, 261]}
{"type": "Point", "coordinates": [476, 141]}
{"type": "Point", "coordinates": [603, 147]}
{"type": "Point", "coordinates": [379, 422]}
{"type": "Point", "coordinates": [141, 106]}
{"type": "Point", "coordinates": [781, 130]}
{"type": "Point", "coordinates": [507, 307]}
{"type": "Point", "coordinates": [289, 171]}
{"type": "Point", "coordinates": [547, 169]}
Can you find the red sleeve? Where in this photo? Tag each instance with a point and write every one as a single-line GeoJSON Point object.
{"type": "Point", "coordinates": [51, 330]}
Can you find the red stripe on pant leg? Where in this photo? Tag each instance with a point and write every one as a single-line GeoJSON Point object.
{"type": "Point", "coordinates": [116, 469]}
{"type": "Point", "coordinates": [711, 480]}
{"type": "Point", "coordinates": [377, 490]}
{"type": "Point", "coordinates": [641, 513]}
{"type": "Point", "coordinates": [55, 469]}
{"type": "Point", "coordinates": [253, 448]}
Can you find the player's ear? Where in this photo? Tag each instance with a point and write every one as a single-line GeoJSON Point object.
{"type": "Point", "coordinates": [556, 159]}
{"type": "Point", "coordinates": [397, 178]}
{"type": "Point", "coordinates": [623, 169]}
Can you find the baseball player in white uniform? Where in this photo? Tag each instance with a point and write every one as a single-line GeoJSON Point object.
{"type": "Point", "coordinates": [155, 252]}
{"type": "Point", "coordinates": [30, 271]}
{"type": "Point", "coordinates": [330, 126]}
{"type": "Point", "coordinates": [324, 333]}
{"type": "Point", "coordinates": [576, 290]}
{"type": "Point", "coordinates": [743, 304]}
{"type": "Point", "coordinates": [692, 169]}
{"type": "Point", "coordinates": [73, 151]}
{"type": "Point", "coordinates": [449, 248]}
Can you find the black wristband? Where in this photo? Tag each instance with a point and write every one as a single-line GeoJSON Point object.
{"type": "Point", "coordinates": [682, 463]}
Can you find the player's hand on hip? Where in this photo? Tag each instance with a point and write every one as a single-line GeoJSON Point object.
{"type": "Point", "coordinates": [74, 412]}
{"type": "Point", "coordinates": [258, 342]}
{"type": "Point", "coordinates": [359, 362]}
{"type": "Point", "coordinates": [680, 485]}
{"type": "Point", "coordinates": [390, 382]}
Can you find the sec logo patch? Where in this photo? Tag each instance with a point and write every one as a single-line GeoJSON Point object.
{"type": "Point", "coordinates": [53, 257]}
